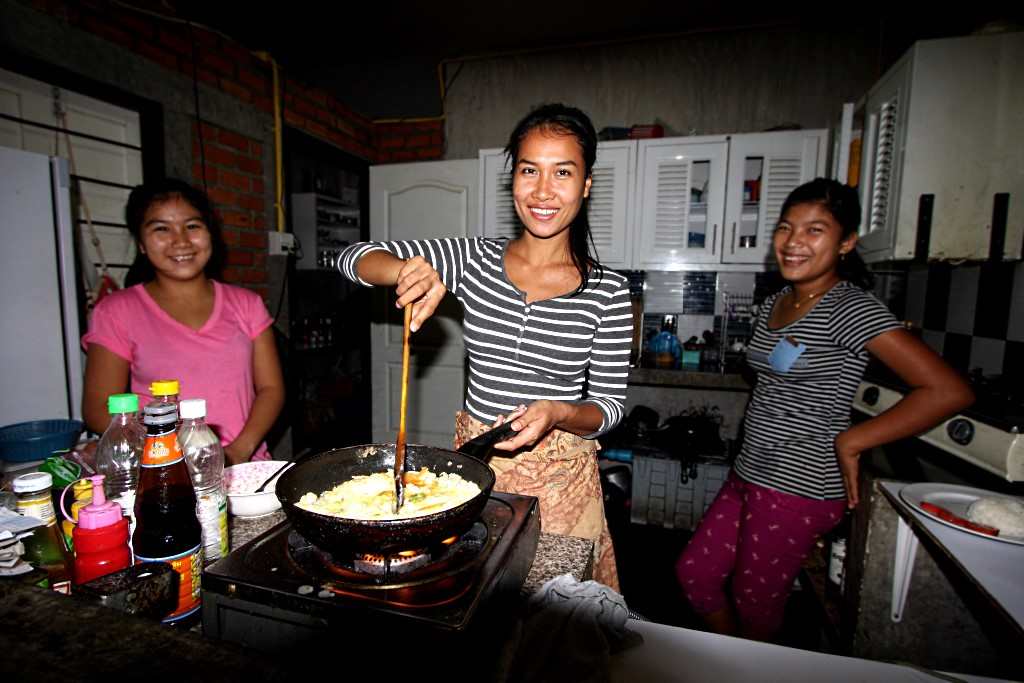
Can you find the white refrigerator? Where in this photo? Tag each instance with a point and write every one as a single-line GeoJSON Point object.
{"type": "Point", "coordinates": [40, 353]}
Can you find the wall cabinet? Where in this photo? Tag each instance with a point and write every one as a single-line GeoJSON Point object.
{"type": "Point", "coordinates": [610, 199]}
{"type": "Point", "coordinates": [678, 203]}
{"type": "Point", "coordinates": [942, 164]}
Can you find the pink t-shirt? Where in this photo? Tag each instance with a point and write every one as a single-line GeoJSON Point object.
{"type": "Point", "coordinates": [214, 362]}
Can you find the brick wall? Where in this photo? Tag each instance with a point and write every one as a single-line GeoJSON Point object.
{"type": "Point", "coordinates": [239, 177]}
{"type": "Point", "coordinates": [233, 176]}
{"type": "Point", "coordinates": [410, 141]}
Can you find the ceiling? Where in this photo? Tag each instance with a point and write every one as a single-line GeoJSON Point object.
{"type": "Point", "coordinates": [380, 57]}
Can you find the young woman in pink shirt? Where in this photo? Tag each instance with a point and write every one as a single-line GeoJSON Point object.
{"type": "Point", "coordinates": [179, 323]}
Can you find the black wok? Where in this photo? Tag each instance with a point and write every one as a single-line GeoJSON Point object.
{"type": "Point", "coordinates": [322, 471]}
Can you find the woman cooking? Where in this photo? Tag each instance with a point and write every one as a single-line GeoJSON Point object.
{"type": "Point", "coordinates": [547, 329]}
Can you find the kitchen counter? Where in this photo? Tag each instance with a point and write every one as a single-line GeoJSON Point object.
{"type": "Point", "coordinates": [695, 379]}
{"type": "Point", "coordinates": [992, 567]}
{"type": "Point", "coordinates": [48, 636]}
{"type": "Point", "coordinates": [963, 609]}
{"type": "Point", "coordinates": [669, 653]}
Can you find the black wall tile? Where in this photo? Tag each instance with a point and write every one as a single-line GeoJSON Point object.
{"type": "Point", "coordinates": [956, 349]}
{"type": "Point", "coordinates": [937, 301]}
{"type": "Point", "coordinates": [995, 292]}
{"type": "Point", "coordinates": [1013, 361]}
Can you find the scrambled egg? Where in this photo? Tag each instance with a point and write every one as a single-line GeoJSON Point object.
{"type": "Point", "coordinates": [372, 496]}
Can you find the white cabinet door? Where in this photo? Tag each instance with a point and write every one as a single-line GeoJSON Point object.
{"type": "Point", "coordinates": [609, 205]}
{"type": "Point", "coordinates": [610, 195]}
{"type": "Point", "coordinates": [681, 201]}
{"type": "Point", "coordinates": [419, 201]}
{"type": "Point", "coordinates": [497, 212]}
{"type": "Point", "coordinates": [763, 169]}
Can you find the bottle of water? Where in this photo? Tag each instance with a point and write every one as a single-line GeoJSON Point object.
{"type": "Point", "coordinates": [205, 458]}
{"type": "Point", "coordinates": [120, 451]}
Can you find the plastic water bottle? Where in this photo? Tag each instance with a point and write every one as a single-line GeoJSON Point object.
{"type": "Point", "coordinates": [205, 458]}
{"type": "Point", "coordinates": [120, 451]}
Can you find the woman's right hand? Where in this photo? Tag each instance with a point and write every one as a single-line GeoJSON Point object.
{"type": "Point", "coordinates": [419, 284]}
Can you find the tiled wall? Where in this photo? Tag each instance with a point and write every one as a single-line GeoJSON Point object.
{"type": "Point", "coordinates": [694, 297]}
{"type": "Point", "coordinates": [972, 314]}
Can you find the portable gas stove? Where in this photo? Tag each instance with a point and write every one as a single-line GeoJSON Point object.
{"type": "Point", "coordinates": [279, 592]}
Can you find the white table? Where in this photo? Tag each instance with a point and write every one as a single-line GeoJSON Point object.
{"type": "Point", "coordinates": [996, 569]}
{"type": "Point", "coordinates": [677, 654]}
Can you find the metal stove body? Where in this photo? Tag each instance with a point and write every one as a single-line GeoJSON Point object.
{"type": "Point", "coordinates": [275, 594]}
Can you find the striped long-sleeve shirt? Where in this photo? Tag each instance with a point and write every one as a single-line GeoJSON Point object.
{"type": "Point", "coordinates": [801, 404]}
{"type": "Point", "coordinates": [572, 348]}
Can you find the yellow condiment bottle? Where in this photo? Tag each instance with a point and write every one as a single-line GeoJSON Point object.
{"type": "Point", "coordinates": [82, 492]}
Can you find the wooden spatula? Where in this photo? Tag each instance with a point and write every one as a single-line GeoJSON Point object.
{"type": "Point", "coordinates": [400, 444]}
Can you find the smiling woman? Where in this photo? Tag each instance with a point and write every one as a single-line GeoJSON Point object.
{"type": "Point", "coordinates": [179, 322]}
{"type": "Point", "coordinates": [798, 467]}
{"type": "Point", "coordinates": [547, 329]}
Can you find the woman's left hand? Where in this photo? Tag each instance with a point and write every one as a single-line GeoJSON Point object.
{"type": "Point", "coordinates": [531, 423]}
{"type": "Point", "coordinates": [236, 453]}
{"type": "Point", "coordinates": [849, 466]}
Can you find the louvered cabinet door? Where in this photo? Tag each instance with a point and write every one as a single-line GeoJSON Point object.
{"type": "Point", "coordinates": [763, 169]}
{"type": "Point", "coordinates": [610, 194]}
{"type": "Point", "coordinates": [881, 155]}
{"type": "Point", "coordinates": [498, 214]}
{"type": "Point", "coordinates": [681, 201]}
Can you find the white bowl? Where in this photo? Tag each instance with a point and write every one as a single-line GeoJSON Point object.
{"type": "Point", "coordinates": [240, 481]}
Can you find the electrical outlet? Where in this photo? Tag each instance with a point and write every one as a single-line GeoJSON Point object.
{"type": "Point", "coordinates": [280, 243]}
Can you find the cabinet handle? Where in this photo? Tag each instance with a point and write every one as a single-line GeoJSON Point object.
{"type": "Point", "coordinates": [714, 237]}
{"type": "Point", "coordinates": [732, 249]}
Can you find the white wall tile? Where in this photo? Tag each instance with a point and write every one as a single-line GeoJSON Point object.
{"type": "Point", "coordinates": [663, 292]}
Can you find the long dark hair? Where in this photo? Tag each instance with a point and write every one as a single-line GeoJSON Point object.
{"type": "Point", "coordinates": [842, 202]}
{"type": "Point", "coordinates": [147, 194]}
{"type": "Point", "coordinates": [569, 121]}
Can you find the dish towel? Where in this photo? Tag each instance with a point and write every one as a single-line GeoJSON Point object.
{"type": "Point", "coordinates": [569, 631]}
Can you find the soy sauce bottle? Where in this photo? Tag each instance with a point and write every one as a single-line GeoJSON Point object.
{"type": "Point", "coordinates": [166, 526]}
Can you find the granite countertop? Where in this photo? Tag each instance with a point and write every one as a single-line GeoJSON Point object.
{"type": "Point", "coordinates": [688, 378]}
{"type": "Point", "coordinates": [51, 637]}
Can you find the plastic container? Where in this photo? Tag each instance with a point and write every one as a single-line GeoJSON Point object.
{"type": "Point", "coordinates": [101, 537]}
{"type": "Point", "coordinates": [205, 459]}
{"type": "Point", "coordinates": [28, 441]}
{"type": "Point", "coordinates": [120, 451]}
{"type": "Point", "coordinates": [44, 549]}
{"type": "Point", "coordinates": [82, 492]}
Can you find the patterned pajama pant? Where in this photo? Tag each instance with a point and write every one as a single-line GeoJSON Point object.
{"type": "Point", "coordinates": [759, 537]}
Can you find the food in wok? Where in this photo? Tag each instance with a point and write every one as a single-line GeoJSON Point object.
{"type": "Point", "coordinates": [372, 496]}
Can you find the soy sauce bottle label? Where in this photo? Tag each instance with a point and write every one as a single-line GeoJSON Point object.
{"type": "Point", "coordinates": [189, 566]}
{"type": "Point", "coordinates": [161, 450]}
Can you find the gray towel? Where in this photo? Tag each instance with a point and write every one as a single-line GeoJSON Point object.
{"type": "Point", "coordinates": [569, 631]}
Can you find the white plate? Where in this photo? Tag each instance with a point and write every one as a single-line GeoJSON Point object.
{"type": "Point", "coordinates": [956, 499]}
